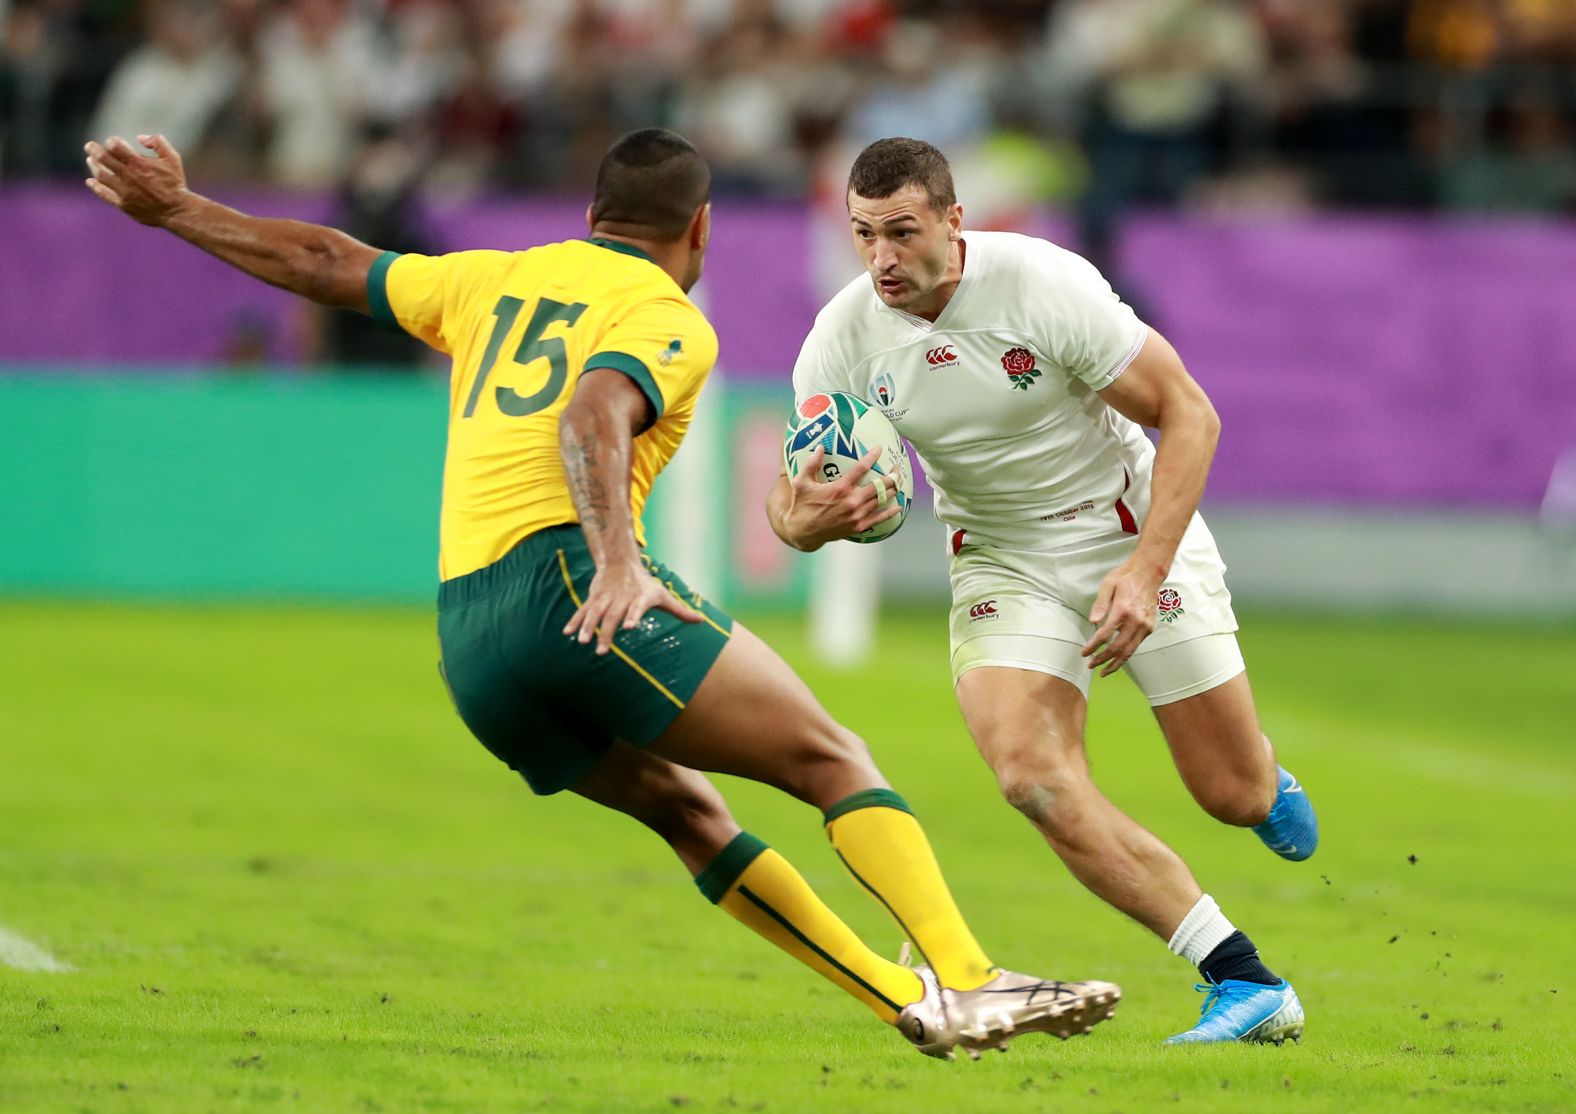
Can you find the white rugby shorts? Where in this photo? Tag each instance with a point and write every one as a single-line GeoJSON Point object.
{"type": "Point", "coordinates": [1030, 610]}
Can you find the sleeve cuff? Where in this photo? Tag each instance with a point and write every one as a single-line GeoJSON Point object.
{"type": "Point", "coordinates": [628, 365]}
{"type": "Point", "coordinates": [1128, 357]}
{"type": "Point", "coordinates": [378, 293]}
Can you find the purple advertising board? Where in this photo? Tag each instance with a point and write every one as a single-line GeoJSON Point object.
{"type": "Point", "coordinates": [1394, 361]}
{"type": "Point", "coordinates": [1390, 361]}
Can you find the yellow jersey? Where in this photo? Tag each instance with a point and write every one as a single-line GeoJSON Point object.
{"type": "Point", "coordinates": [522, 327]}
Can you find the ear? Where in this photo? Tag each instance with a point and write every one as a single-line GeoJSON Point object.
{"type": "Point", "coordinates": [955, 223]}
{"type": "Point", "coordinates": [590, 223]}
{"type": "Point", "coordinates": [700, 228]}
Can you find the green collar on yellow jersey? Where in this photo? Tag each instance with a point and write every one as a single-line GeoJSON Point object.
{"type": "Point", "coordinates": [619, 245]}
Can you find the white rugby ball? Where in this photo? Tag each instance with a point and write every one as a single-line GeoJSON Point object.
{"type": "Point", "coordinates": [847, 428]}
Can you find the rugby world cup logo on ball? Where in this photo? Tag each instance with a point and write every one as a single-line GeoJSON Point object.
{"type": "Point", "coordinates": [846, 427]}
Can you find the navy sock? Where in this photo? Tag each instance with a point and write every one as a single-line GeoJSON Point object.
{"type": "Point", "coordinates": [1235, 957]}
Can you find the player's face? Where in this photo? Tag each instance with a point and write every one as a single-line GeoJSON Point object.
{"type": "Point", "coordinates": [906, 246]}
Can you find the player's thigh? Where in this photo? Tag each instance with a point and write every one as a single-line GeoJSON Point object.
{"type": "Point", "coordinates": [653, 671]}
{"type": "Point", "coordinates": [1191, 671]}
{"type": "Point", "coordinates": [753, 716]}
{"type": "Point", "coordinates": [1017, 667]}
{"type": "Point", "coordinates": [502, 705]}
{"type": "Point", "coordinates": [1027, 722]}
{"type": "Point", "coordinates": [546, 704]}
{"type": "Point", "coordinates": [1010, 610]}
{"type": "Point", "coordinates": [1193, 647]}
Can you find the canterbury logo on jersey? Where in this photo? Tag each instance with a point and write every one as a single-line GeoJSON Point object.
{"type": "Point", "coordinates": [986, 609]}
{"type": "Point", "coordinates": [941, 357]}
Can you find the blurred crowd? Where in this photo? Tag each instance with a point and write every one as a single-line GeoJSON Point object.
{"type": "Point", "coordinates": [1094, 105]}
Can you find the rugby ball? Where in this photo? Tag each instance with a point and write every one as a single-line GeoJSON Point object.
{"type": "Point", "coordinates": [847, 428]}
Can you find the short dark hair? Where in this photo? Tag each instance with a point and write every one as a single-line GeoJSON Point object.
{"type": "Point", "coordinates": [653, 179]}
{"type": "Point", "coordinates": [887, 165]}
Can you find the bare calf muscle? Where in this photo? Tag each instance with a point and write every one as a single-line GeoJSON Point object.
{"type": "Point", "coordinates": [679, 805]}
{"type": "Point", "coordinates": [1224, 759]}
{"type": "Point", "coordinates": [1029, 729]}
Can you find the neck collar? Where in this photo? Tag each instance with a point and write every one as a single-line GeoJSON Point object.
{"type": "Point", "coordinates": [620, 246]}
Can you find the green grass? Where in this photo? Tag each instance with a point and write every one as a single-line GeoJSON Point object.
{"type": "Point", "coordinates": [287, 880]}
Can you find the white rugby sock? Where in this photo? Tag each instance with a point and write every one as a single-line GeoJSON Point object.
{"type": "Point", "coordinates": [1201, 931]}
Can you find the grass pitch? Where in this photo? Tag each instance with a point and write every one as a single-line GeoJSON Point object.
{"type": "Point", "coordinates": [285, 879]}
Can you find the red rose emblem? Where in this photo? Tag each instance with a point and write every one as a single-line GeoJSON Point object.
{"type": "Point", "coordinates": [1017, 361]}
{"type": "Point", "coordinates": [1019, 364]}
{"type": "Point", "coordinates": [1169, 601]}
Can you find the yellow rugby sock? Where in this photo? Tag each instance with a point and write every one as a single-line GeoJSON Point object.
{"type": "Point", "coordinates": [761, 889]}
{"type": "Point", "coordinates": [886, 851]}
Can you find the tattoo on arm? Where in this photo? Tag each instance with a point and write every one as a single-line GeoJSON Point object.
{"type": "Point", "coordinates": [586, 487]}
{"type": "Point", "coordinates": [596, 445]}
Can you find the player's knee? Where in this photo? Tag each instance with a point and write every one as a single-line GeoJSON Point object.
{"type": "Point", "coordinates": [679, 807]}
{"type": "Point", "coordinates": [829, 762]}
{"type": "Point", "coordinates": [1049, 795]}
{"type": "Point", "coordinates": [1029, 795]}
{"type": "Point", "coordinates": [842, 747]}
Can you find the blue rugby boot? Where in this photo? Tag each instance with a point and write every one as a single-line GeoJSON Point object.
{"type": "Point", "coordinates": [1291, 830]}
{"type": "Point", "coordinates": [1245, 1011]}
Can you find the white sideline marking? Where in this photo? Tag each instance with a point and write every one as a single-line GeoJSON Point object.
{"type": "Point", "coordinates": [21, 953]}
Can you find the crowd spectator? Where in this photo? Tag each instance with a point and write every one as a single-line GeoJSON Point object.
{"type": "Point", "coordinates": [54, 60]}
{"type": "Point", "coordinates": [323, 72]}
{"type": "Point", "coordinates": [735, 104]}
{"type": "Point", "coordinates": [377, 206]}
{"type": "Point", "coordinates": [925, 86]}
{"type": "Point", "coordinates": [1459, 103]}
{"type": "Point", "coordinates": [1527, 166]}
{"type": "Point", "coordinates": [176, 82]}
{"type": "Point", "coordinates": [1160, 78]}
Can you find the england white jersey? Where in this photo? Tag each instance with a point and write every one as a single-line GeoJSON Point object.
{"type": "Point", "coordinates": [998, 397]}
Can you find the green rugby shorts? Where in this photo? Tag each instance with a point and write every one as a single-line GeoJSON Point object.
{"type": "Point", "coordinates": [543, 703]}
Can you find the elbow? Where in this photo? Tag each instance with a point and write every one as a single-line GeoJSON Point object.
{"type": "Point", "coordinates": [574, 439]}
{"type": "Point", "coordinates": [1211, 423]}
{"type": "Point", "coordinates": [323, 271]}
{"type": "Point", "coordinates": [580, 423]}
{"type": "Point", "coordinates": [569, 424]}
{"type": "Point", "coordinates": [309, 269]}
{"type": "Point", "coordinates": [776, 514]}
{"type": "Point", "coordinates": [1196, 410]}
{"type": "Point", "coordinates": [1191, 411]}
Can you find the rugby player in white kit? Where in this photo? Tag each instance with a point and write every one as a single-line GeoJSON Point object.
{"type": "Point", "coordinates": [1022, 382]}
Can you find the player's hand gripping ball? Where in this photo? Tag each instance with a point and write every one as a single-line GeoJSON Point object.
{"type": "Point", "coordinates": [846, 428]}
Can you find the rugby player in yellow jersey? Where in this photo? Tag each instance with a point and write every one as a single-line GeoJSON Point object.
{"type": "Point", "coordinates": [573, 655]}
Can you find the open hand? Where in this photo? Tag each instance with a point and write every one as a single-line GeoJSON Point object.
{"type": "Point", "coordinates": [619, 598]}
{"type": "Point", "coordinates": [1124, 614]}
{"type": "Point", "coordinates": [146, 188]}
{"type": "Point", "coordinates": [827, 510]}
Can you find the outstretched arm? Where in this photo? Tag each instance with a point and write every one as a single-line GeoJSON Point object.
{"type": "Point", "coordinates": [319, 263]}
{"type": "Point", "coordinates": [596, 435]}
